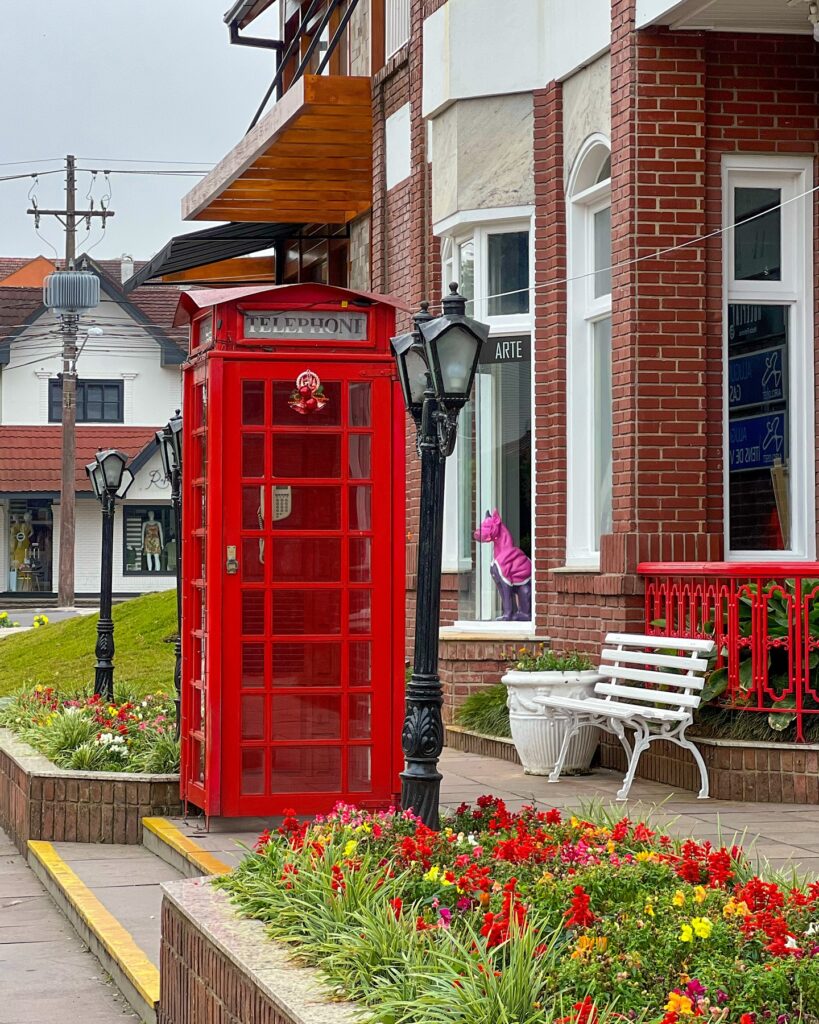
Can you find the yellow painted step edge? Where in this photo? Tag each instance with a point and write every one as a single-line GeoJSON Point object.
{"type": "Point", "coordinates": [186, 847]}
{"type": "Point", "coordinates": [119, 943]}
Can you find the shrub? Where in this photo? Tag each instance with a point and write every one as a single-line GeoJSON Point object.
{"type": "Point", "coordinates": [486, 712]}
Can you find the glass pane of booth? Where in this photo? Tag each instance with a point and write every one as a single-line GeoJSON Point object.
{"type": "Point", "coordinates": [311, 612]}
{"type": "Point", "coordinates": [307, 559]}
{"type": "Point", "coordinates": [306, 769]}
{"type": "Point", "coordinates": [307, 664]}
{"type": "Point", "coordinates": [306, 717]}
{"type": "Point", "coordinates": [253, 403]}
{"type": "Point", "coordinates": [307, 455]}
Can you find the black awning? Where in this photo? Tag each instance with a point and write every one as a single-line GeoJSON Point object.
{"type": "Point", "coordinates": [199, 248]}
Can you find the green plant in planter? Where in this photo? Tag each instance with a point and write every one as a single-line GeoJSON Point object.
{"type": "Point", "coordinates": [543, 659]}
{"type": "Point", "coordinates": [486, 712]}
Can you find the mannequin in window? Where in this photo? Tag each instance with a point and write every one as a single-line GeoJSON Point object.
{"type": "Point", "coordinates": [22, 540]}
{"type": "Point", "coordinates": [152, 542]}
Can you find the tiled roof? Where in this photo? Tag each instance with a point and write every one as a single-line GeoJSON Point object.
{"type": "Point", "coordinates": [31, 457]}
{"type": "Point", "coordinates": [17, 306]}
{"type": "Point", "coordinates": [11, 264]}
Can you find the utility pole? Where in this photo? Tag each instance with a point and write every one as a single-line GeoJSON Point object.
{"type": "Point", "coordinates": [65, 582]}
{"type": "Point", "coordinates": [69, 326]}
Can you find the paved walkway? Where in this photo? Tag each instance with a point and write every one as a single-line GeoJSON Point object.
{"type": "Point", "coordinates": [46, 974]}
{"type": "Point", "coordinates": [784, 835]}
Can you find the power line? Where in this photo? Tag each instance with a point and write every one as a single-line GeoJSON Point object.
{"type": "Point", "coordinates": [152, 172]}
{"type": "Point", "coordinates": [30, 174]}
{"type": "Point", "coordinates": [19, 163]}
{"type": "Point", "coordinates": [115, 160]}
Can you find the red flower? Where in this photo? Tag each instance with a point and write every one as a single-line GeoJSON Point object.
{"type": "Point", "coordinates": [580, 915]}
{"type": "Point", "coordinates": [397, 905]}
{"type": "Point", "coordinates": [553, 817]}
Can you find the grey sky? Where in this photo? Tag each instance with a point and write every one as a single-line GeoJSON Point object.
{"type": "Point", "coordinates": [132, 79]}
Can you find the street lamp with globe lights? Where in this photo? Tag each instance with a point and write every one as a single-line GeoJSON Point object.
{"type": "Point", "coordinates": [437, 362]}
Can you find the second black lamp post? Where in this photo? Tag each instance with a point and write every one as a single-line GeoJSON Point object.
{"type": "Point", "coordinates": [110, 480]}
{"type": "Point", "coordinates": [436, 366]}
{"type": "Point", "coordinates": [169, 440]}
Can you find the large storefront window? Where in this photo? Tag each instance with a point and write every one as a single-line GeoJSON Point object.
{"type": "Point", "coordinates": [769, 463]}
{"type": "Point", "coordinates": [149, 540]}
{"type": "Point", "coordinates": [588, 365]}
{"type": "Point", "coordinates": [30, 545]}
{"type": "Point", "coordinates": [488, 521]}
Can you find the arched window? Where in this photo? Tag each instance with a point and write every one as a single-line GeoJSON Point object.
{"type": "Point", "coordinates": [588, 363]}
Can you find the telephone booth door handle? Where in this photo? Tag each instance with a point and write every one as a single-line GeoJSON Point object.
{"type": "Point", "coordinates": [231, 561]}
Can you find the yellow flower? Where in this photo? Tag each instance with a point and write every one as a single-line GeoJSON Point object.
{"type": "Point", "coordinates": [644, 855]}
{"type": "Point", "coordinates": [547, 876]}
{"type": "Point", "coordinates": [700, 894]}
{"type": "Point", "coordinates": [350, 848]}
{"type": "Point", "coordinates": [4, 615]}
{"type": "Point", "coordinates": [587, 944]}
{"type": "Point", "coordinates": [686, 933]}
{"type": "Point", "coordinates": [678, 899]}
{"type": "Point", "coordinates": [610, 846]}
{"type": "Point", "coordinates": [678, 1003]}
{"type": "Point", "coordinates": [649, 910]}
{"type": "Point", "coordinates": [734, 908]}
{"type": "Point", "coordinates": [702, 927]}
{"type": "Point", "coordinates": [432, 874]}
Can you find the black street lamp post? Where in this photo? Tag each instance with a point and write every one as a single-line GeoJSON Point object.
{"type": "Point", "coordinates": [436, 366]}
{"type": "Point", "coordinates": [110, 480]}
{"type": "Point", "coordinates": [169, 440]}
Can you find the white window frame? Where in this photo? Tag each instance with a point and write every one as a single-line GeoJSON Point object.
{"type": "Point", "coordinates": [794, 176]}
{"type": "Point", "coordinates": [454, 232]}
{"type": "Point", "coordinates": [584, 311]}
{"type": "Point", "coordinates": [396, 26]}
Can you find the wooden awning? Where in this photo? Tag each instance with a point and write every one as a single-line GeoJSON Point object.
{"type": "Point", "coordinates": [308, 160]}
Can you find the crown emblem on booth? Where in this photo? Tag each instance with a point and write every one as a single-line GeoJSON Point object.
{"type": "Point", "coordinates": [308, 396]}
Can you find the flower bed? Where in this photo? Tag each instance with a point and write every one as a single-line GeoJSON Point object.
{"type": "Point", "coordinates": [530, 918]}
{"type": "Point", "coordinates": [86, 733]}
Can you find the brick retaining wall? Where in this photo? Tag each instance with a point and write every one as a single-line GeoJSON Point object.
{"type": "Point", "coordinates": [40, 801]}
{"type": "Point", "coordinates": [786, 773]}
{"type": "Point", "coordinates": [216, 966]}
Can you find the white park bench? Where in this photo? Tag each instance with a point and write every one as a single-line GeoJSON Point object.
{"type": "Point", "coordinates": [652, 685]}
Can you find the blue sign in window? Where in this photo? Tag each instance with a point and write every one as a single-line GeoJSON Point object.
{"type": "Point", "coordinates": [756, 442]}
{"type": "Point", "coordinates": [756, 377]}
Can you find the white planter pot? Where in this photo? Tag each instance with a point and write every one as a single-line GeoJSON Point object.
{"type": "Point", "coordinates": [538, 731]}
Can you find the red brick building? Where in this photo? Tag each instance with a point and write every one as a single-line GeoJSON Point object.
{"type": "Point", "coordinates": [625, 191]}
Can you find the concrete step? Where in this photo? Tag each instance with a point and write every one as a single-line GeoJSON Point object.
{"type": "Point", "coordinates": [195, 848]}
{"type": "Point", "coordinates": [111, 895]}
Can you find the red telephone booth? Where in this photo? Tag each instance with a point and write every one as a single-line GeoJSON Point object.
{"type": "Point", "coordinates": [293, 551]}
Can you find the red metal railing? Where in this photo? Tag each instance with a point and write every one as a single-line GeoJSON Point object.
{"type": "Point", "coordinates": [764, 617]}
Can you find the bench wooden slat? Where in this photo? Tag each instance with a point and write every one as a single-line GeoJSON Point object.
{"type": "Point", "coordinates": [611, 708]}
{"type": "Point", "coordinates": [640, 675]}
{"type": "Point", "coordinates": [674, 643]}
{"type": "Point", "coordinates": [634, 693]}
{"type": "Point", "coordinates": [687, 663]}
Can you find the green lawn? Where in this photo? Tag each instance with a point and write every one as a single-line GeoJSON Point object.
{"type": "Point", "coordinates": [62, 653]}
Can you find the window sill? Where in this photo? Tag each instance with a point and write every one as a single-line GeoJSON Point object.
{"type": "Point", "coordinates": [498, 631]}
{"type": "Point", "coordinates": [592, 567]}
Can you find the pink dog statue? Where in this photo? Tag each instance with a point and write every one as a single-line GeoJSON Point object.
{"type": "Point", "coordinates": [511, 569]}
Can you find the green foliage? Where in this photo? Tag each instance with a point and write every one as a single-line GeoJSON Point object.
{"type": "Point", "coordinates": [543, 659]}
{"type": "Point", "coordinates": [82, 732]}
{"type": "Point", "coordinates": [486, 712]}
{"type": "Point", "coordinates": [62, 653]}
{"type": "Point", "coordinates": [528, 918]}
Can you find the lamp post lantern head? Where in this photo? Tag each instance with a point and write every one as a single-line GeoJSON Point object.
{"type": "Point", "coordinates": [169, 440]}
{"type": "Point", "coordinates": [127, 480]}
{"type": "Point", "coordinates": [112, 465]}
{"type": "Point", "coordinates": [94, 471]}
{"type": "Point", "coordinates": [453, 343]}
{"type": "Point", "coordinates": [413, 371]}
